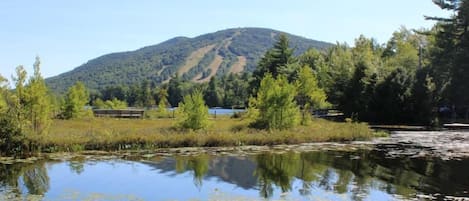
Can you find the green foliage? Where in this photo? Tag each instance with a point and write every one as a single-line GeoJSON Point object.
{"type": "Point", "coordinates": [175, 91]}
{"type": "Point", "coordinates": [110, 104]}
{"type": "Point", "coordinates": [10, 131]}
{"type": "Point", "coordinates": [276, 104]}
{"type": "Point", "coordinates": [277, 61]}
{"type": "Point", "coordinates": [449, 56]}
{"type": "Point", "coordinates": [145, 95]}
{"type": "Point", "coordinates": [38, 102]}
{"type": "Point", "coordinates": [160, 62]}
{"type": "Point", "coordinates": [25, 113]}
{"type": "Point", "coordinates": [194, 112]}
{"type": "Point", "coordinates": [391, 102]}
{"type": "Point", "coordinates": [76, 99]}
{"type": "Point", "coordinates": [212, 95]}
{"type": "Point", "coordinates": [32, 104]}
{"type": "Point", "coordinates": [235, 90]}
{"type": "Point", "coordinates": [358, 94]}
{"type": "Point", "coordinates": [309, 96]}
{"type": "Point", "coordinates": [163, 103]}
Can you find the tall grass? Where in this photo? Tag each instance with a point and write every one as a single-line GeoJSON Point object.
{"type": "Point", "coordinates": [123, 134]}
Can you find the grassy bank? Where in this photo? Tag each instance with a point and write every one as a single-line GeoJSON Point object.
{"type": "Point", "coordinates": [119, 134]}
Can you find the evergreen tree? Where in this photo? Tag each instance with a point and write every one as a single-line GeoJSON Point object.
{"type": "Point", "coordinates": [424, 97]}
{"type": "Point", "coordinates": [194, 112]}
{"type": "Point", "coordinates": [449, 55]}
{"type": "Point", "coordinates": [175, 94]}
{"type": "Point", "coordinates": [145, 97]}
{"type": "Point", "coordinates": [235, 90]}
{"type": "Point", "coordinates": [276, 61]}
{"type": "Point", "coordinates": [391, 103]}
{"type": "Point", "coordinates": [212, 95]}
{"type": "Point", "coordinates": [359, 93]}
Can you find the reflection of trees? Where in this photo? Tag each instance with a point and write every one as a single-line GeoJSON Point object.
{"type": "Point", "coordinates": [33, 176]}
{"type": "Point", "coordinates": [197, 164]}
{"type": "Point", "coordinates": [276, 169]}
{"type": "Point", "coordinates": [36, 180]}
{"type": "Point", "coordinates": [77, 165]}
{"type": "Point", "coordinates": [354, 172]}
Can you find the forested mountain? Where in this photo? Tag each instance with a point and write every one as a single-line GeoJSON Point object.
{"type": "Point", "coordinates": [196, 59]}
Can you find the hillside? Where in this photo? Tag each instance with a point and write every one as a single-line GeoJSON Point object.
{"type": "Point", "coordinates": [197, 59]}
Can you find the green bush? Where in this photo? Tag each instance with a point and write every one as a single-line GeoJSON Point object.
{"type": "Point", "coordinates": [194, 112]}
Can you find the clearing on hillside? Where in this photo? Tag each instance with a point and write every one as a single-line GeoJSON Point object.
{"type": "Point", "coordinates": [195, 58]}
{"type": "Point", "coordinates": [238, 67]}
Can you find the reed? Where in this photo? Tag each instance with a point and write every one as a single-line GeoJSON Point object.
{"type": "Point", "coordinates": [133, 134]}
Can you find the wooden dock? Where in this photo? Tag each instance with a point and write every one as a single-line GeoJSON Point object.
{"type": "Point", "coordinates": [122, 113]}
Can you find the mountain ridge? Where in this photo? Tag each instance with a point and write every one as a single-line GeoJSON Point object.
{"type": "Point", "coordinates": [197, 59]}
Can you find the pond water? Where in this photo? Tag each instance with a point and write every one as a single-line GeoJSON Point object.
{"type": "Point", "coordinates": [363, 174]}
{"type": "Point", "coordinates": [220, 111]}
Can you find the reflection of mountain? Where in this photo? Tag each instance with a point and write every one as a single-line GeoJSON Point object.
{"type": "Point", "coordinates": [234, 170]}
{"type": "Point", "coordinates": [348, 173]}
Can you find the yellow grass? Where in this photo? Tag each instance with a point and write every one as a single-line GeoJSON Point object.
{"type": "Point", "coordinates": [120, 134]}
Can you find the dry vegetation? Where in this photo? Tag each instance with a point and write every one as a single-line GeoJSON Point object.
{"type": "Point", "coordinates": [120, 134]}
{"type": "Point", "coordinates": [238, 67]}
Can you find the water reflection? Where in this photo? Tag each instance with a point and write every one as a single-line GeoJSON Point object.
{"type": "Point", "coordinates": [357, 175]}
{"type": "Point", "coordinates": [25, 178]}
{"type": "Point", "coordinates": [354, 174]}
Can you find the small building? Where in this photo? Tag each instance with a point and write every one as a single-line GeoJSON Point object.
{"type": "Point", "coordinates": [120, 113]}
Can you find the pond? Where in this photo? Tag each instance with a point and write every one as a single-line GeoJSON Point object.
{"type": "Point", "coordinates": [364, 172]}
{"type": "Point", "coordinates": [220, 111]}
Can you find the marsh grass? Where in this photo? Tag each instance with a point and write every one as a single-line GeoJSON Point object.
{"type": "Point", "coordinates": [133, 134]}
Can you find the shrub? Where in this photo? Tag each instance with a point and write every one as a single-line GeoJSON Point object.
{"type": "Point", "coordinates": [194, 112]}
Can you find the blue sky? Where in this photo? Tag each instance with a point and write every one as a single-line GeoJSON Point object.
{"type": "Point", "coordinates": [66, 34]}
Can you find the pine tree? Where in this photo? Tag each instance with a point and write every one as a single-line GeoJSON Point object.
{"type": "Point", "coordinates": [276, 61]}
{"type": "Point", "coordinates": [212, 95]}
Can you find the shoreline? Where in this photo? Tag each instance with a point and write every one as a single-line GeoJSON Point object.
{"type": "Point", "coordinates": [399, 144]}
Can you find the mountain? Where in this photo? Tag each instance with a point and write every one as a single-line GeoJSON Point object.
{"type": "Point", "coordinates": [197, 59]}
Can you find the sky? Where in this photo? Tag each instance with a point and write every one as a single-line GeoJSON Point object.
{"type": "Point", "coordinates": [66, 34]}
